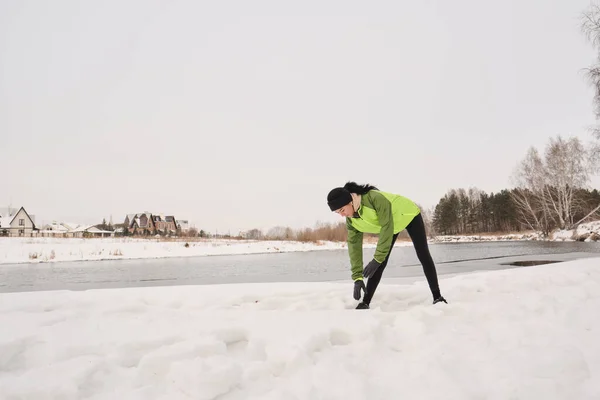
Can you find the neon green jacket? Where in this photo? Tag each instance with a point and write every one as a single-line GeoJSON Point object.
{"type": "Point", "coordinates": [380, 213]}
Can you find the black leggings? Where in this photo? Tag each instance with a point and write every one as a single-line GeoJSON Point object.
{"type": "Point", "coordinates": [416, 231]}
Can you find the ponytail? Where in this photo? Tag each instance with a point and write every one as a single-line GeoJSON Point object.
{"type": "Point", "coordinates": [354, 187]}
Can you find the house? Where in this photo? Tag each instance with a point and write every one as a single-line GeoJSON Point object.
{"type": "Point", "coordinates": [165, 224]}
{"type": "Point", "coordinates": [141, 224]}
{"type": "Point", "coordinates": [15, 222]}
{"type": "Point", "coordinates": [90, 231]}
{"type": "Point", "coordinates": [147, 223]}
{"type": "Point", "coordinates": [58, 229]}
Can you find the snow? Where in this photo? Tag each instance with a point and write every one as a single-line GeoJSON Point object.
{"type": "Point", "coordinates": [526, 333]}
{"type": "Point", "coordinates": [47, 249]}
{"type": "Point", "coordinates": [587, 231]}
{"type": "Point", "coordinates": [486, 238]}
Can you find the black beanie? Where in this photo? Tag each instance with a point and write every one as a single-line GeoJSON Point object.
{"type": "Point", "coordinates": [338, 198]}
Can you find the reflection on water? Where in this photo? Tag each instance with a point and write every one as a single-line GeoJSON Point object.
{"type": "Point", "coordinates": [320, 265]}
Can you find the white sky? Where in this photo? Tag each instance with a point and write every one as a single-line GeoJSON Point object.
{"type": "Point", "coordinates": [243, 114]}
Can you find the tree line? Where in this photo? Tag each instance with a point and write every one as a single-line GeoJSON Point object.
{"type": "Point", "coordinates": [466, 212]}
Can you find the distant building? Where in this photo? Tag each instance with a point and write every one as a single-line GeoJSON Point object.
{"type": "Point", "coordinates": [15, 222]}
{"type": "Point", "coordinates": [140, 223]}
{"type": "Point", "coordinates": [164, 223]}
{"type": "Point", "coordinates": [147, 223]}
{"type": "Point", "coordinates": [89, 231]}
{"type": "Point", "coordinates": [55, 229]}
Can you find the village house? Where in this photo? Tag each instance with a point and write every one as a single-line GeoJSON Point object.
{"type": "Point", "coordinates": [57, 229]}
{"type": "Point", "coordinates": [15, 222]}
{"type": "Point", "coordinates": [140, 224]}
{"type": "Point", "coordinates": [147, 223]}
{"type": "Point", "coordinates": [165, 223]}
{"type": "Point", "coordinates": [89, 231]}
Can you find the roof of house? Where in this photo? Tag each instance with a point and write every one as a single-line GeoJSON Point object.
{"type": "Point", "coordinates": [135, 218]}
{"type": "Point", "coordinates": [70, 225]}
{"type": "Point", "coordinates": [97, 230]}
{"type": "Point", "coordinates": [90, 228]}
{"type": "Point", "coordinates": [54, 226]}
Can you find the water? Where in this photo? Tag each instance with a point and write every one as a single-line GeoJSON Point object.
{"type": "Point", "coordinates": [285, 267]}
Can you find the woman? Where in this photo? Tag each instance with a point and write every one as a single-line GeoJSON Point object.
{"type": "Point", "coordinates": [369, 210]}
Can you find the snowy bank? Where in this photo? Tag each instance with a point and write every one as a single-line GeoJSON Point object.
{"type": "Point", "coordinates": [587, 232]}
{"type": "Point", "coordinates": [35, 250]}
{"type": "Point", "coordinates": [528, 333]}
{"type": "Point", "coordinates": [485, 238]}
{"type": "Point", "coordinates": [32, 250]}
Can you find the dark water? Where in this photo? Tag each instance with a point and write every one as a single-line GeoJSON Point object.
{"type": "Point", "coordinates": [323, 265]}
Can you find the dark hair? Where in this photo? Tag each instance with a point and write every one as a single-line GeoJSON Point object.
{"type": "Point", "coordinates": [354, 187]}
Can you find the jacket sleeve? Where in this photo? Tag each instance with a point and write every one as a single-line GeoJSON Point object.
{"type": "Point", "coordinates": [355, 242]}
{"type": "Point", "coordinates": [383, 207]}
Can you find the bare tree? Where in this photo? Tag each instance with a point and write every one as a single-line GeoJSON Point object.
{"type": "Point", "coordinates": [529, 194]}
{"type": "Point", "coordinates": [546, 188]}
{"type": "Point", "coordinates": [567, 169]}
{"type": "Point", "coordinates": [530, 210]}
{"type": "Point", "coordinates": [590, 25]}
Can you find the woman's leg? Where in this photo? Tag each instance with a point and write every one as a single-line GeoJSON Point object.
{"type": "Point", "coordinates": [416, 231]}
{"type": "Point", "coordinates": [373, 281]}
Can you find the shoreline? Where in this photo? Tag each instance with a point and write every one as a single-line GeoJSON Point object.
{"type": "Point", "coordinates": [23, 251]}
{"type": "Point", "coordinates": [49, 250]}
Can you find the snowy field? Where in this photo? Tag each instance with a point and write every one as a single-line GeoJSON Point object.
{"type": "Point", "coordinates": [527, 333]}
{"type": "Point", "coordinates": [33, 250]}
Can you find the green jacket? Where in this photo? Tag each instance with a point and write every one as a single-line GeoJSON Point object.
{"type": "Point", "coordinates": [381, 213]}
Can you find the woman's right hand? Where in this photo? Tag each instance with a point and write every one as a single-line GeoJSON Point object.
{"type": "Point", "coordinates": [358, 285]}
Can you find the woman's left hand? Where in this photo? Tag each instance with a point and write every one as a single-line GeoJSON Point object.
{"type": "Point", "coordinates": [370, 269]}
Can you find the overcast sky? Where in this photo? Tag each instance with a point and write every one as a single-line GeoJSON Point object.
{"type": "Point", "coordinates": [244, 114]}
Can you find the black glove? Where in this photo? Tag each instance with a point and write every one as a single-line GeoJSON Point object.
{"type": "Point", "coordinates": [439, 299]}
{"type": "Point", "coordinates": [358, 285]}
{"type": "Point", "coordinates": [370, 269]}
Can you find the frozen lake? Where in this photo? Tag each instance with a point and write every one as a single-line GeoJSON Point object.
{"type": "Point", "coordinates": [324, 265]}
